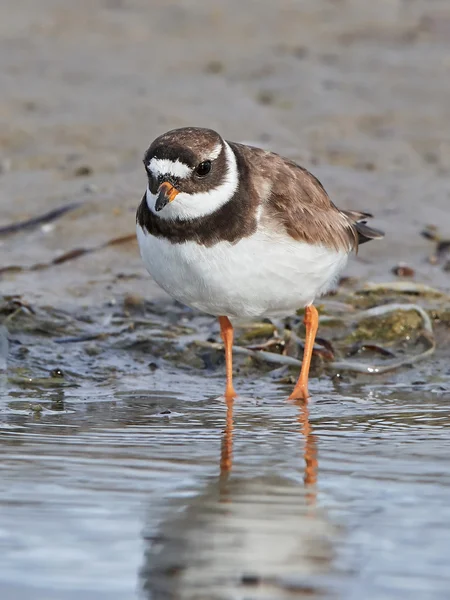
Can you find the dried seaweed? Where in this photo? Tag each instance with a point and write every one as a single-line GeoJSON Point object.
{"type": "Point", "coordinates": [70, 255]}
{"type": "Point", "coordinates": [401, 287]}
{"type": "Point", "coordinates": [269, 357]}
{"type": "Point", "coordinates": [47, 217]}
{"type": "Point", "coordinates": [359, 347]}
{"type": "Point", "coordinates": [391, 365]}
{"type": "Point", "coordinates": [349, 365]}
{"type": "Point", "coordinates": [153, 331]}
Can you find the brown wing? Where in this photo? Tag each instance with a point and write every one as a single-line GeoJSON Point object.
{"type": "Point", "coordinates": [298, 202]}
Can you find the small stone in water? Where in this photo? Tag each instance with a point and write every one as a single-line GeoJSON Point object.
{"type": "Point", "coordinates": [56, 373]}
{"type": "Point", "coordinates": [402, 270]}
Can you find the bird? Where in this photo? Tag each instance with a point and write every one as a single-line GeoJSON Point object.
{"type": "Point", "coordinates": [237, 231]}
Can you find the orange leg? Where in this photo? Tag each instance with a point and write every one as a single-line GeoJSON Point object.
{"type": "Point", "coordinates": [311, 321]}
{"type": "Point", "coordinates": [226, 331]}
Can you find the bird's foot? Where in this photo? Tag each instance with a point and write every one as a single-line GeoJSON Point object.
{"type": "Point", "coordinates": [300, 392]}
{"type": "Point", "coordinates": [230, 393]}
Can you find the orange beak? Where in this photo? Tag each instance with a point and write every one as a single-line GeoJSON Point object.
{"type": "Point", "coordinates": [166, 193]}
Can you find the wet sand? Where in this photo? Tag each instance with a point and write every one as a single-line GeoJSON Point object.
{"type": "Point", "coordinates": [128, 477]}
{"type": "Point", "coordinates": [355, 92]}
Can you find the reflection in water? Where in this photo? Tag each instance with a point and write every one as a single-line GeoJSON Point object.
{"type": "Point", "coordinates": [226, 455]}
{"type": "Point", "coordinates": [242, 531]}
{"type": "Point", "coordinates": [56, 398]}
{"type": "Point", "coordinates": [309, 449]}
{"type": "Point", "coordinates": [310, 454]}
{"type": "Point", "coordinates": [232, 514]}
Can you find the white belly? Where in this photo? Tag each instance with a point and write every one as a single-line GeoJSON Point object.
{"type": "Point", "coordinates": [259, 276]}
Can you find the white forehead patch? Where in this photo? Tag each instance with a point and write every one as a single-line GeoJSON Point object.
{"type": "Point", "coordinates": [164, 166]}
{"type": "Point", "coordinates": [191, 206]}
{"type": "Point", "coordinates": [215, 153]}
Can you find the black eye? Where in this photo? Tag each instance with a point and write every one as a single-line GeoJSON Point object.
{"type": "Point", "coordinates": [203, 168]}
{"type": "Point", "coordinates": [152, 182]}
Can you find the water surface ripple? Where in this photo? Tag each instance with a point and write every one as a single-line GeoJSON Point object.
{"type": "Point", "coordinates": [157, 495]}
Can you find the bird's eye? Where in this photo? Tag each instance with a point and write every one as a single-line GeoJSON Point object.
{"type": "Point", "coordinates": [203, 168]}
{"type": "Point", "coordinates": [152, 182]}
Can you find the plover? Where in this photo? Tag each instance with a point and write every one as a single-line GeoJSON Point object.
{"type": "Point", "coordinates": [237, 231]}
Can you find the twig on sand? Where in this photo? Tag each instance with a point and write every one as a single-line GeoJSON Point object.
{"type": "Point", "coordinates": [47, 217]}
{"type": "Point", "coordinates": [70, 255]}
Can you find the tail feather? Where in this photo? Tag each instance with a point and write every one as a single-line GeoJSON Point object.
{"type": "Point", "coordinates": [364, 232]}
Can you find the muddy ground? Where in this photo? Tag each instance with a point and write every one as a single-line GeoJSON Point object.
{"type": "Point", "coordinates": [358, 92]}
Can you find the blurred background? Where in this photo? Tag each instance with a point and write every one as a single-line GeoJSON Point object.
{"type": "Point", "coordinates": [354, 90]}
{"type": "Point", "coordinates": [122, 472]}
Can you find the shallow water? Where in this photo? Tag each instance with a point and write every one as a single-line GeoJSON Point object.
{"type": "Point", "coordinates": [122, 492]}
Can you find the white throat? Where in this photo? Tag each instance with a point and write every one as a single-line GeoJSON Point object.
{"type": "Point", "coordinates": [191, 206]}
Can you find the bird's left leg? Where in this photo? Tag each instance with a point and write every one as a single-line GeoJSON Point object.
{"type": "Point", "coordinates": [300, 392]}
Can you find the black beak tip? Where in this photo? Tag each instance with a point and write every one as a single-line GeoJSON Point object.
{"type": "Point", "coordinates": [161, 201]}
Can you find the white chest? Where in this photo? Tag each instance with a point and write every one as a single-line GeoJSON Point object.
{"type": "Point", "coordinates": [261, 275]}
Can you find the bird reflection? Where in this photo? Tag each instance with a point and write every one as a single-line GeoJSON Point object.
{"type": "Point", "coordinates": [249, 528]}
{"type": "Point", "coordinates": [309, 449]}
{"type": "Point", "coordinates": [309, 454]}
{"type": "Point", "coordinates": [226, 453]}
